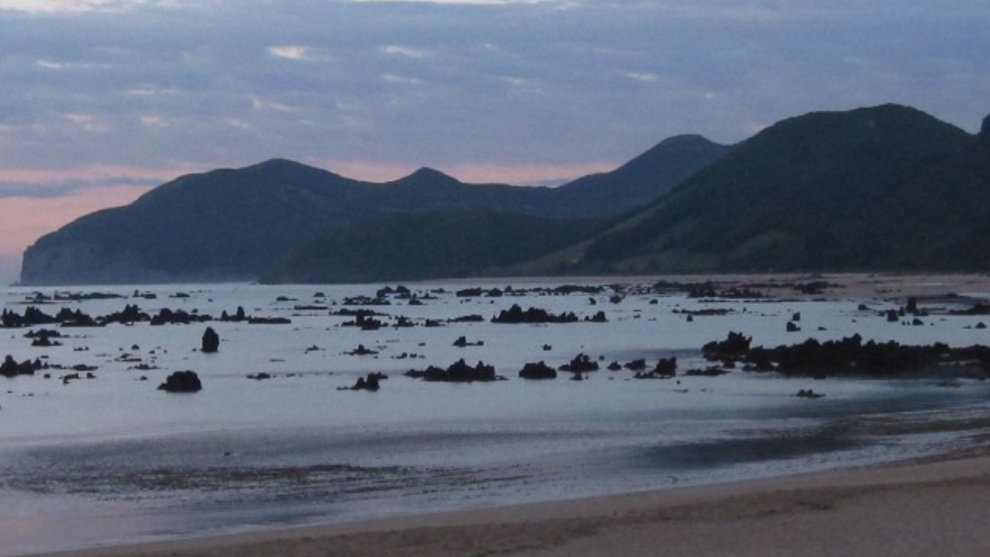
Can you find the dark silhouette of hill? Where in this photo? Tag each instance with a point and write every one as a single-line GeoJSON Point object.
{"type": "Point", "coordinates": [881, 188]}
{"type": "Point", "coordinates": [434, 244]}
{"type": "Point", "coordinates": [235, 224]}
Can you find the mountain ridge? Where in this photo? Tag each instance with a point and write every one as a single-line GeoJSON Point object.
{"type": "Point", "coordinates": [877, 188]}
{"type": "Point", "coordinates": [234, 224]}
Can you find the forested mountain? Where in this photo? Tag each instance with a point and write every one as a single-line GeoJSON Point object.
{"type": "Point", "coordinates": [881, 188]}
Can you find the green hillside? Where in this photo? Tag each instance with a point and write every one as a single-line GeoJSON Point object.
{"type": "Point", "coordinates": [882, 188]}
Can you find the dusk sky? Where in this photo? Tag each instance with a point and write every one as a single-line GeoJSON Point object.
{"type": "Point", "coordinates": [104, 99]}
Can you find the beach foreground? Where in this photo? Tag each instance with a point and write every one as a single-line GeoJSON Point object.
{"type": "Point", "coordinates": [905, 509]}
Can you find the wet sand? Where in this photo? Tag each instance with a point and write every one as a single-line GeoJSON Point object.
{"type": "Point", "coordinates": [905, 509]}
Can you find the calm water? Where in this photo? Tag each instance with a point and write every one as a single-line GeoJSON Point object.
{"type": "Point", "coordinates": [112, 459]}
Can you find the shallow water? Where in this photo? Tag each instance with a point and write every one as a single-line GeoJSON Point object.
{"type": "Point", "coordinates": [112, 459]}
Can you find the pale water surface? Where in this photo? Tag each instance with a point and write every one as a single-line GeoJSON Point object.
{"type": "Point", "coordinates": [112, 459]}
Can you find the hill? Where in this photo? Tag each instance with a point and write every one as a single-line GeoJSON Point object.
{"type": "Point", "coordinates": [880, 188]}
{"type": "Point", "coordinates": [235, 224]}
{"type": "Point", "coordinates": [429, 245]}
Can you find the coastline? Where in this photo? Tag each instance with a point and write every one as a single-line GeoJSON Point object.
{"type": "Point", "coordinates": [907, 508]}
{"type": "Point", "coordinates": [904, 508]}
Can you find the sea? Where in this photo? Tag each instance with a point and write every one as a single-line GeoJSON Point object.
{"type": "Point", "coordinates": [277, 438]}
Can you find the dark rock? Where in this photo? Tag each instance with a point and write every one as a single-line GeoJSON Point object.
{"type": "Point", "coordinates": [808, 393]}
{"type": "Point", "coordinates": [181, 382]}
{"type": "Point", "coordinates": [710, 371]}
{"type": "Point", "coordinates": [636, 365]}
{"type": "Point", "coordinates": [666, 368]}
{"type": "Point", "coordinates": [211, 341]}
{"type": "Point", "coordinates": [735, 345]}
{"type": "Point", "coordinates": [43, 338]}
{"type": "Point", "coordinates": [367, 383]}
{"type": "Point", "coordinates": [580, 364]}
{"type": "Point", "coordinates": [538, 370]}
{"type": "Point", "coordinates": [597, 318]}
{"type": "Point", "coordinates": [10, 367]}
{"type": "Point", "coordinates": [361, 351]}
{"type": "Point", "coordinates": [851, 356]}
{"type": "Point", "coordinates": [269, 321]}
{"type": "Point", "coordinates": [474, 318]}
{"type": "Point", "coordinates": [32, 316]}
{"type": "Point", "coordinates": [458, 372]}
{"type": "Point", "coordinates": [167, 316]}
{"type": "Point", "coordinates": [462, 342]}
{"type": "Point", "coordinates": [792, 327]}
{"type": "Point", "coordinates": [515, 314]}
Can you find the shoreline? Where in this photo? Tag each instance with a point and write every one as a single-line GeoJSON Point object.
{"type": "Point", "coordinates": [905, 508]}
{"type": "Point", "coordinates": [869, 509]}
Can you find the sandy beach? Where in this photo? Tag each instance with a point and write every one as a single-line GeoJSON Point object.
{"type": "Point", "coordinates": [905, 509]}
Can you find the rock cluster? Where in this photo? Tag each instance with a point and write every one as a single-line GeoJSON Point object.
{"type": "Point", "coordinates": [458, 372]}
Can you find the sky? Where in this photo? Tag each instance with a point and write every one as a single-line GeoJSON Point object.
{"type": "Point", "coordinates": [101, 100]}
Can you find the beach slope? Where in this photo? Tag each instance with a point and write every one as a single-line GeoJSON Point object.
{"type": "Point", "coordinates": [916, 508]}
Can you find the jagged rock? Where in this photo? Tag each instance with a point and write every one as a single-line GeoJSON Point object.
{"type": "Point", "coordinates": [11, 368]}
{"type": "Point", "coordinates": [368, 383]}
{"type": "Point", "coordinates": [181, 382]}
{"type": "Point", "coordinates": [458, 372]}
{"type": "Point", "coordinates": [666, 368]}
{"type": "Point", "coordinates": [734, 346]}
{"type": "Point", "coordinates": [462, 342]}
{"type": "Point", "coordinates": [69, 318]}
{"type": "Point", "coordinates": [597, 318]}
{"type": "Point", "coordinates": [852, 356]}
{"type": "Point", "coordinates": [515, 314]}
{"type": "Point", "coordinates": [211, 341]}
{"type": "Point", "coordinates": [43, 338]}
{"type": "Point", "coordinates": [636, 365]}
{"type": "Point", "coordinates": [580, 364]}
{"type": "Point", "coordinates": [538, 370]}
